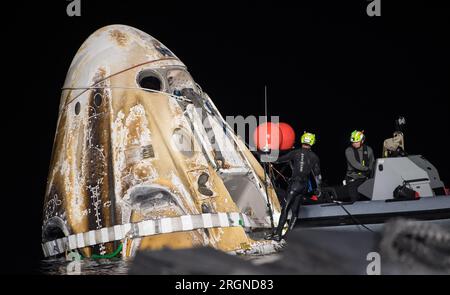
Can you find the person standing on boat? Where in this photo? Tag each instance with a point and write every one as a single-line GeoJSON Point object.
{"type": "Point", "coordinates": [360, 162]}
{"type": "Point", "coordinates": [303, 162]}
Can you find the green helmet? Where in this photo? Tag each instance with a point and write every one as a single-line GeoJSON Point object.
{"type": "Point", "coordinates": [308, 138]}
{"type": "Point", "coordinates": [357, 136]}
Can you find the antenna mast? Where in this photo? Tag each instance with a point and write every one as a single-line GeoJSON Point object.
{"type": "Point", "coordinates": [266, 147]}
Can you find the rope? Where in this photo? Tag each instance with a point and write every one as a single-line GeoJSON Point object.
{"type": "Point", "coordinates": [120, 72]}
{"type": "Point", "coordinates": [181, 98]}
{"type": "Point", "coordinates": [279, 173]}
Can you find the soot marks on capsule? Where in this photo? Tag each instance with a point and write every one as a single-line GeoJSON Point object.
{"type": "Point", "coordinates": [120, 37]}
{"type": "Point", "coordinates": [98, 166]}
{"type": "Point", "coordinates": [53, 202]}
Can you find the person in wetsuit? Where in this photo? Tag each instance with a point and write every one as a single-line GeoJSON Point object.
{"type": "Point", "coordinates": [303, 162]}
{"type": "Point", "coordinates": [360, 163]}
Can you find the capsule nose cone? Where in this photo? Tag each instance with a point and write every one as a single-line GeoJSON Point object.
{"type": "Point", "coordinates": [125, 37]}
{"type": "Point", "coordinates": [114, 49]}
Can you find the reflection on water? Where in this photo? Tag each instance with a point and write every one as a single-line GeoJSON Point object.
{"type": "Point", "coordinates": [87, 267]}
{"type": "Point", "coordinates": [117, 266]}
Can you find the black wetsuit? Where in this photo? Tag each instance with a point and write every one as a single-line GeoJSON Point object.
{"type": "Point", "coordinates": [303, 162]}
{"type": "Point", "coordinates": [360, 164]}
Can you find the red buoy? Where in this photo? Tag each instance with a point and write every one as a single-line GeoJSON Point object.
{"type": "Point", "coordinates": [267, 136]}
{"type": "Point", "coordinates": [287, 135]}
{"type": "Point", "coordinates": [280, 136]}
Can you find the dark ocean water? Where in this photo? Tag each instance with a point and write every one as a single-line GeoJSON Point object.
{"type": "Point", "coordinates": [86, 267]}
{"type": "Point", "coordinates": [115, 266]}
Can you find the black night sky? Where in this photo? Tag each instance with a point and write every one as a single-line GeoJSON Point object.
{"type": "Point", "coordinates": [329, 69]}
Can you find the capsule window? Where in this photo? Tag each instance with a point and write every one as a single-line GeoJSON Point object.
{"type": "Point", "coordinates": [149, 80]}
{"type": "Point", "coordinates": [98, 99]}
{"type": "Point", "coordinates": [77, 108]}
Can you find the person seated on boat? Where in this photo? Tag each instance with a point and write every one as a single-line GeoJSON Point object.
{"type": "Point", "coordinates": [394, 146]}
{"type": "Point", "coordinates": [303, 163]}
{"type": "Point", "coordinates": [360, 163]}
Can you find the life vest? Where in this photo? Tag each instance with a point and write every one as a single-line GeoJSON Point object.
{"type": "Point", "coordinates": [365, 159]}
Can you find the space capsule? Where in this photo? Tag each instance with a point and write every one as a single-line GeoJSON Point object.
{"type": "Point", "coordinates": [143, 159]}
